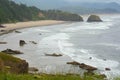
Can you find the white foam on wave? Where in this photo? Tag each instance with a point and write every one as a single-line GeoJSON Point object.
{"type": "Point", "coordinates": [34, 30]}
{"type": "Point", "coordinates": [84, 57]}
{"type": "Point", "coordinates": [110, 45]}
{"type": "Point", "coordinates": [86, 26]}
{"type": "Point", "coordinates": [51, 42]}
{"type": "Point", "coordinates": [66, 50]}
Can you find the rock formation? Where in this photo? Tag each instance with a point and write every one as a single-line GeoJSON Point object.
{"type": "Point", "coordinates": [12, 64]}
{"type": "Point", "coordinates": [17, 31]}
{"type": "Point", "coordinates": [54, 54]}
{"type": "Point", "coordinates": [87, 67]}
{"type": "Point", "coordinates": [73, 63]}
{"type": "Point", "coordinates": [107, 69]}
{"type": "Point", "coordinates": [10, 51]}
{"type": "Point", "coordinates": [83, 66]}
{"type": "Point", "coordinates": [33, 42]}
{"type": "Point", "coordinates": [1, 26]}
{"type": "Point", "coordinates": [3, 42]}
{"type": "Point", "coordinates": [22, 42]}
{"type": "Point", "coordinates": [94, 18]}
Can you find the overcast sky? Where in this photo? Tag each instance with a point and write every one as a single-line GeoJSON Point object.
{"type": "Point", "coordinates": [44, 4]}
{"type": "Point", "coordinates": [78, 0]}
{"type": "Point", "coordinates": [93, 1]}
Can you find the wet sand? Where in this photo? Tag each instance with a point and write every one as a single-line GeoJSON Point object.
{"type": "Point", "coordinates": [13, 26]}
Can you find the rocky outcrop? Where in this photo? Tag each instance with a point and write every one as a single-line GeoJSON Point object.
{"type": "Point", "coordinates": [3, 42]}
{"type": "Point", "coordinates": [12, 64]}
{"type": "Point", "coordinates": [1, 26]}
{"type": "Point", "coordinates": [107, 69]}
{"type": "Point", "coordinates": [73, 63]}
{"type": "Point", "coordinates": [17, 31]}
{"type": "Point", "coordinates": [87, 67]}
{"type": "Point", "coordinates": [83, 66]}
{"type": "Point", "coordinates": [54, 54]}
{"type": "Point", "coordinates": [33, 42]}
{"type": "Point", "coordinates": [21, 67]}
{"type": "Point", "coordinates": [22, 42]}
{"type": "Point", "coordinates": [10, 51]}
{"type": "Point", "coordinates": [94, 18]}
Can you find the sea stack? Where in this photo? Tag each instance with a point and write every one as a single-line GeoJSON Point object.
{"type": "Point", "coordinates": [94, 18]}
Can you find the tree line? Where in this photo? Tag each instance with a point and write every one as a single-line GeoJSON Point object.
{"type": "Point", "coordinates": [13, 12]}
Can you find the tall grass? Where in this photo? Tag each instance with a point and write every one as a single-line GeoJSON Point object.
{"type": "Point", "coordinates": [8, 76]}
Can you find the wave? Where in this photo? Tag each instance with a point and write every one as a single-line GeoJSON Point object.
{"type": "Point", "coordinates": [84, 57]}
{"type": "Point", "coordinates": [87, 26]}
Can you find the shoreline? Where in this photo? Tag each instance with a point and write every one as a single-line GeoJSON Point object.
{"type": "Point", "coordinates": [60, 61]}
{"type": "Point", "coordinates": [9, 27]}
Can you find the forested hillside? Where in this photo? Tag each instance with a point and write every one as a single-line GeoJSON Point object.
{"type": "Point", "coordinates": [12, 12]}
{"type": "Point", "coordinates": [60, 15]}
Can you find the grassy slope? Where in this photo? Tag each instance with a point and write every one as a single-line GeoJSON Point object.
{"type": "Point", "coordinates": [7, 57]}
{"type": "Point", "coordinates": [46, 77]}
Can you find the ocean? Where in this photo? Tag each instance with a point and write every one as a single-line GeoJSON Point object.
{"type": "Point", "coordinates": [78, 40]}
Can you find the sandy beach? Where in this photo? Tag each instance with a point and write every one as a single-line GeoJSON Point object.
{"type": "Point", "coordinates": [12, 26]}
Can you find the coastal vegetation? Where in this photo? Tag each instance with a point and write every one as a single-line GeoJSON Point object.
{"type": "Point", "coordinates": [13, 12]}
{"type": "Point", "coordinates": [60, 15]}
{"type": "Point", "coordinates": [12, 64]}
{"type": "Point", "coordinates": [47, 77]}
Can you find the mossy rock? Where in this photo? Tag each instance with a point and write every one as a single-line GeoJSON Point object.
{"type": "Point", "coordinates": [16, 65]}
{"type": "Point", "coordinates": [94, 18]}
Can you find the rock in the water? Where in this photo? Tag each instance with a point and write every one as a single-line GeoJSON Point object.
{"type": "Point", "coordinates": [33, 42]}
{"type": "Point", "coordinates": [90, 57]}
{"type": "Point", "coordinates": [87, 67]}
{"type": "Point", "coordinates": [10, 51]}
{"type": "Point", "coordinates": [2, 30]}
{"type": "Point", "coordinates": [54, 54]}
{"type": "Point", "coordinates": [94, 18]}
{"type": "Point", "coordinates": [73, 63]}
{"type": "Point", "coordinates": [22, 42]}
{"type": "Point", "coordinates": [3, 42]}
{"type": "Point", "coordinates": [107, 69]}
{"type": "Point", "coordinates": [1, 26]}
{"type": "Point", "coordinates": [17, 31]}
{"type": "Point", "coordinates": [13, 65]}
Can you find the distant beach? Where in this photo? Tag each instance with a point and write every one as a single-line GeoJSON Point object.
{"type": "Point", "coordinates": [19, 25]}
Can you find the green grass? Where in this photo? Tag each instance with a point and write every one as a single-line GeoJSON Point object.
{"type": "Point", "coordinates": [4, 76]}
{"type": "Point", "coordinates": [118, 78]}
{"type": "Point", "coordinates": [37, 77]}
{"type": "Point", "coordinates": [7, 57]}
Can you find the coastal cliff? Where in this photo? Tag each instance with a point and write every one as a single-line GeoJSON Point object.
{"type": "Point", "coordinates": [12, 64]}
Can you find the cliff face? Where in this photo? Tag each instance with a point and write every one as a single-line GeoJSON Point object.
{"type": "Point", "coordinates": [94, 18]}
{"type": "Point", "coordinates": [12, 64]}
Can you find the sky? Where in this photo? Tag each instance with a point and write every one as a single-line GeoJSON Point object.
{"type": "Point", "coordinates": [93, 1]}
{"type": "Point", "coordinates": [49, 4]}
{"type": "Point", "coordinates": [118, 1]}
